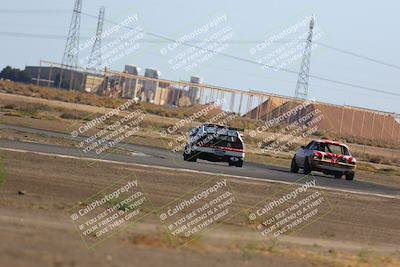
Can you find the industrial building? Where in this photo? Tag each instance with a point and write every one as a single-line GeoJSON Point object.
{"type": "Point", "coordinates": [150, 87]}
{"type": "Point", "coordinates": [56, 76]}
{"type": "Point", "coordinates": [128, 84]}
{"type": "Point", "coordinates": [131, 84]}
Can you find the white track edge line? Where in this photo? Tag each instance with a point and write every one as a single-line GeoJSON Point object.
{"type": "Point", "coordinates": [199, 172]}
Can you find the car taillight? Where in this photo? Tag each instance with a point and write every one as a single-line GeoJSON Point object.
{"type": "Point", "coordinates": [318, 154]}
{"type": "Point", "coordinates": [351, 160]}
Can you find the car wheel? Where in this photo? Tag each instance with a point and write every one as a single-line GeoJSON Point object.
{"type": "Point", "coordinates": [239, 164]}
{"type": "Point", "coordinates": [189, 156]}
{"type": "Point", "coordinates": [186, 155]}
{"type": "Point", "coordinates": [350, 176]}
{"type": "Point", "coordinates": [338, 176]}
{"type": "Point", "coordinates": [307, 167]}
{"type": "Point", "coordinates": [294, 167]}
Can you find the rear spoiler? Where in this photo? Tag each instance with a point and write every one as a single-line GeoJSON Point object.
{"type": "Point", "coordinates": [236, 129]}
{"type": "Point", "coordinates": [239, 130]}
{"type": "Point", "coordinates": [223, 126]}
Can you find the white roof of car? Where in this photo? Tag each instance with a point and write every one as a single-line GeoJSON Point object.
{"type": "Point", "coordinates": [330, 142]}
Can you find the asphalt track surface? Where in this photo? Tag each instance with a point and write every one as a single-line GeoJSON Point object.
{"type": "Point", "coordinates": [158, 157]}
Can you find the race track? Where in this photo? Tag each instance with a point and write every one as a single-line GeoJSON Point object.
{"type": "Point", "coordinates": [157, 157]}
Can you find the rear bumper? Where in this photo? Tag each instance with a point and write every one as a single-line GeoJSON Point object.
{"type": "Point", "coordinates": [216, 155]}
{"type": "Point", "coordinates": [212, 157]}
{"type": "Point", "coordinates": [330, 167]}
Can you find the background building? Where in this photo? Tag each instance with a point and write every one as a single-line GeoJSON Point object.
{"type": "Point", "coordinates": [194, 91]}
{"type": "Point", "coordinates": [130, 87]}
{"type": "Point", "coordinates": [150, 87]}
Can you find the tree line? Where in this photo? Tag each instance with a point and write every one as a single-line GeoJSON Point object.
{"type": "Point", "coordinates": [15, 74]}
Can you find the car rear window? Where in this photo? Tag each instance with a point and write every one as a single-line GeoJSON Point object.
{"type": "Point", "coordinates": [232, 139]}
{"type": "Point", "coordinates": [221, 131]}
{"type": "Point", "coordinates": [221, 141]}
{"type": "Point", "coordinates": [332, 148]}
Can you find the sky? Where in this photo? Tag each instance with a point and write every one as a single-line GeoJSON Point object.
{"type": "Point", "coordinates": [237, 28]}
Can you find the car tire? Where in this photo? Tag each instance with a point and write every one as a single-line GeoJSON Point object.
{"type": "Point", "coordinates": [294, 168]}
{"type": "Point", "coordinates": [338, 176]}
{"type": "Point", "coordinates": [186, 157]}
{"type": "Point", "coordinates": [350, 176]}
{"type": "Point", "coordinates": [192, 157]}
{"type": "Point", "coordinates": [239, 164]}
{"type": "Point", "coordinates": [189, 157]}
{"type": "Point", "coordinates": [307, 167]}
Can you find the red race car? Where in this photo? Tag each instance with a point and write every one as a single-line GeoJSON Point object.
{"type": "Point", "coordinates": [329, 157]}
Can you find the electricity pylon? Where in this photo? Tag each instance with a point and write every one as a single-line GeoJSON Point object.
{"type": "Point", "coordinates": [70, 58]}
{"type": "Point", "coordinates": [304, 73]}
{"type": "Point", "coordinates": [95, 55]}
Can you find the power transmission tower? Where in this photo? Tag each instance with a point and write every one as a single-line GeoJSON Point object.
{"type": "Point", "coordinates": [95, 55]}
{"type": "Point", "coordinates": [70, 58]}
{"type": "Point", "coordinates": [304, 73]}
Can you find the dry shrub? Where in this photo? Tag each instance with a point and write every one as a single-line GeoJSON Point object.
{"type": "Point", "coordinates": [375, 159]}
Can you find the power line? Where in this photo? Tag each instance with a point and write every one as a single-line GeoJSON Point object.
{"type": "Point", "coordinates": [155, 41]}
{"type": "Point", "coordinates": [62, 37]}
{"type": "Point", "coordinates": [359, 56]}
{"type": "Point", "coordinates": [51, 11]}
{"type": "Point", "coordinates": [33, 35]}
{"type": "Point", "coordinates": [38, 11]}
{"type": "Point", "coordinates": [55, 37]}
{"type": "Point", "coordinates": [257, 63]}
{"type": "Point", "coordinates": [167, 39]}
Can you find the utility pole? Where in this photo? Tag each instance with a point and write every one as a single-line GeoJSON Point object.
{"type": "Point", "coordinates": [70, 58]}
{"type": "Point", "coordinates": [304, 73]}
{"type": "Point", "coordinates": [95, 55]}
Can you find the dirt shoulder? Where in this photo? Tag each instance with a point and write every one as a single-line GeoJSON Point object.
{"type": "Point", "coordinates": [358, 230]}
